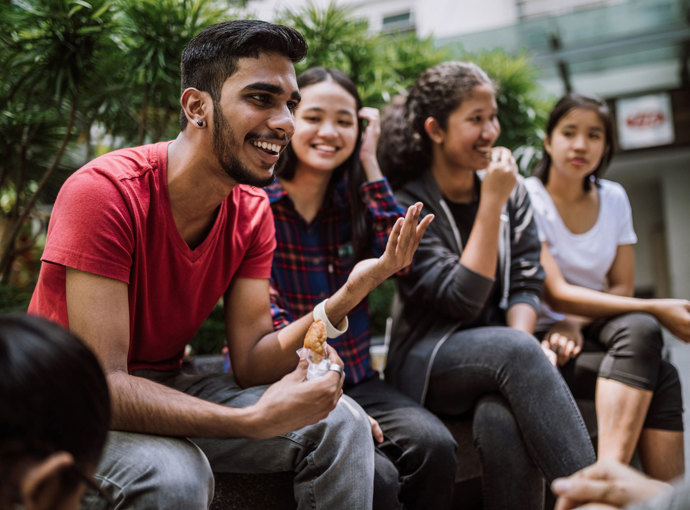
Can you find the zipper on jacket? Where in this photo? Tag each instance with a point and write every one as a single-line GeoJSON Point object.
{"type": "Point", "coordinates": [453, 226]}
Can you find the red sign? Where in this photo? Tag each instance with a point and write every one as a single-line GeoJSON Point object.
{"type": "Point", "coordinates": [646, 119]}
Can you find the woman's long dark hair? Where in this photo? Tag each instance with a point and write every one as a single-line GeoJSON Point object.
{"type": "Point", "coordinates": [351, 169]}
{"type": "Point", "coordinates": [404, 149]}
{"type": "Point", "coordinates": [563, 106]}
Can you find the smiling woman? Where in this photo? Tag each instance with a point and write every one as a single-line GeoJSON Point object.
{"type": "Point", "coordinates": [461, 341]}
{"type": "Point", "coordinates": [332, 208]}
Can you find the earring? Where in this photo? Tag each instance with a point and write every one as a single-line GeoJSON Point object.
{"type": "Point", "coordinates": [199, 123]}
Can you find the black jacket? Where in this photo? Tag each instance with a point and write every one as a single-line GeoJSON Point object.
{"type": "Point", "coordinates": [439, 295]}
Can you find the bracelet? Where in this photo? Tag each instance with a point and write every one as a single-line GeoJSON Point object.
{"type": "Point", "coordinates": [331, 330]}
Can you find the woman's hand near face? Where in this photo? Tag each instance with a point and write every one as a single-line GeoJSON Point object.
{"type": "Point", "coordinates": [500, 177]}
{"type": "Point", "coordinates": [370, 138]}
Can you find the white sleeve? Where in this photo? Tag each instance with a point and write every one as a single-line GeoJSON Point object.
{"type": "Point", "coordinates": [626, 232]}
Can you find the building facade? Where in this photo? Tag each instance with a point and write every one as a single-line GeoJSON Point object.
{"type": "Point", "coordinates": [633, 53]}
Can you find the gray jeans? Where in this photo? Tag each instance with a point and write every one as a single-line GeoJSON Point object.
{"type": "Point", "coordinates": [526, 423]}
{"type": "Point", "coordinates": [333, 460]}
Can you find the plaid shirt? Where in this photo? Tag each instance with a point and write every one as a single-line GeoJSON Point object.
{"type": "Point", "coordinates": [312, 261]}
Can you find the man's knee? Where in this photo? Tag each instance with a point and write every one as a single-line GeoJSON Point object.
{"type": "Point", "coordinates": [349, 420]}
{"type": "Point", "coordinates": [184, 474]}
{"type": "Point", "coordinates": [144, 471]}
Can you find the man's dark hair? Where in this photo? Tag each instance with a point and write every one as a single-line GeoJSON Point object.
{"type": "Point", "coordinates": [211, 57]}
{"type": "Point", "coordinates": [53, 397]}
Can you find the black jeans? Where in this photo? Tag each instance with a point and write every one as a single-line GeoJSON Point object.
{"type": "Point", "coordinates": [415, 464]}
{"type": "Point", "coordinates": [628, 349]}
{"type": "Point", "coordinates": [526, 422]}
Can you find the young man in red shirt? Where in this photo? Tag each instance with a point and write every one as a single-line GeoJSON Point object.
{"type": "Point", "coordinates": [144, 241]}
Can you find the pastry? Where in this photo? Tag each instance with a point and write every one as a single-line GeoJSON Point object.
{"type": "Point", "coordinates": [315, 340]}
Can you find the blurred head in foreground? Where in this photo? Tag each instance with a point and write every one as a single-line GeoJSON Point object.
{"type": "Point", "coordinates": [54, 415]}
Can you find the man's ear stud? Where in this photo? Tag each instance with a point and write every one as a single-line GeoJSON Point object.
{"type": "Point", "coordinates": [199, 123]}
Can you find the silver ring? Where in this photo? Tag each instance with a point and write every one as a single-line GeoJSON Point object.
{"type": "Point", "coordinates": [495, 157]}
{"type": "Point", "coordinates": [336, 368]}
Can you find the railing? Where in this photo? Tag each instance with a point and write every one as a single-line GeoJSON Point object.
{"type": "Point", "coordinates": [612, 35]}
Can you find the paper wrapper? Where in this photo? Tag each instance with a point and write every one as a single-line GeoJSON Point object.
{"type": "Point", "coordinates": [318, 365]}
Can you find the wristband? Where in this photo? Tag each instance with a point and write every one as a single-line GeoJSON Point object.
{"type": "Point", "coordinates": [331, 330]}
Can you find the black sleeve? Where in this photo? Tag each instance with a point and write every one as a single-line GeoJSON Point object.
{"type": "Point", "coordinates": [437, 281]}
{"type": "Point", "coordinates": [526, 273]}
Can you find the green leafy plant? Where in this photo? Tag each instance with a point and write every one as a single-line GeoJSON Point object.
{"type": "Point", "coordinates": [154, 33]}
{"type": "Point", "coordinates": [380, 65]}
{"type": "Point", "coordinates": [76, 65]}
{"type": "Point", "coordinates": [49, 49]}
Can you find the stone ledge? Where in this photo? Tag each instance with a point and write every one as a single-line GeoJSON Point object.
{"type": "Point", "coordinates": [241, 491]}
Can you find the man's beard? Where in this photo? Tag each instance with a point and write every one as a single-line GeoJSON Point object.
{"type": "Point", "coordinates": [222, 149]}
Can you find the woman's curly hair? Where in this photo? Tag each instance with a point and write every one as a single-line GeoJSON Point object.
{"type": "Point", "coordinates": [404, 148]}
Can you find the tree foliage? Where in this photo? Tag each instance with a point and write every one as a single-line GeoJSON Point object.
{"type": "Point", "coordinates": [82, 77]}
{"type": "Point", "coordinates": [381, 65]}
{"type": "Point", "coordinates": [50, 49]}
{"type": "Point", "coordinates": [72, 65]}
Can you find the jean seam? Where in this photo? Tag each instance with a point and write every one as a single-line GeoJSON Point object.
{"type": "Point", "coordinates": [312, 495]}
{"type": "Point", "coordinates": [300, 440]}
{"type": "Point", "coordinates": [463, 366]}
{"type": "Point", "coordinates": [573, 405]}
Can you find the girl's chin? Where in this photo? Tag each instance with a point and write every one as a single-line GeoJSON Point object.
{"type": "Point", "coordinates": [320, 166]}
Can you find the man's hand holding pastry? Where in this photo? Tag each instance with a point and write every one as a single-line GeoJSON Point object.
{"type": "Point", "coordinates": [294, 401]}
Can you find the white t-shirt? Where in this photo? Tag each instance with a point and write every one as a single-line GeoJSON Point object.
{"type": "Point", "coordinates": [584, 259]}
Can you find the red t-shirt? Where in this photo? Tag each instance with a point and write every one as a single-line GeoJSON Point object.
{"type": "Point", "coordinates": [113, 218]}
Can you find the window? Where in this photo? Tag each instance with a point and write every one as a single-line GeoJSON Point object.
{"type": "Point", "coordinates": [399, 22]}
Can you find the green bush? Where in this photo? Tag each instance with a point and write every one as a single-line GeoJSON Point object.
{"type": "Point", "coordinates": [211, 336]}
{"type": "Point", "coordinates": [380, 301]}
{"type": "Point", "coordinates": [13, 298]}
{"type": "Point", "coordinates": [76, 65]}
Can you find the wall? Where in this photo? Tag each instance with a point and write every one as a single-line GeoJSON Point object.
{"type": "Point", "coordinates": [452, 17]}
{"type": "Point", "coordinates": [676, 191]}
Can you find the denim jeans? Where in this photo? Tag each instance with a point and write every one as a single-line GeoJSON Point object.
{"type": "Point", "coordinates": [415, 463]}
{"type": "Point", "coordinates": [333, 460]}
{"type": "Point", "coordinates": [546, 428]}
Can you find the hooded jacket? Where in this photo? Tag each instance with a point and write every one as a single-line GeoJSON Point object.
{"type": "Point", "coordinates": [439, 296]}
